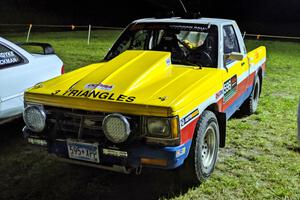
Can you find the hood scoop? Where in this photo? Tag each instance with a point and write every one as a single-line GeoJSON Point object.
{"type": "Point", "coordinates": [127, 72]}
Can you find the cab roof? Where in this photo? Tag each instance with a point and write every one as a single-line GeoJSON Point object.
{"type": "Point", "coordinates": [214, 21]}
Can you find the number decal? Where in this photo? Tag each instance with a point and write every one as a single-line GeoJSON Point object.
{"type": "Point", "coordinates": [230, 88]}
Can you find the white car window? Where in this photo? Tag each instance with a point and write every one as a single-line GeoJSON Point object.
{"type": "Point", "coordinates": [8, 57]}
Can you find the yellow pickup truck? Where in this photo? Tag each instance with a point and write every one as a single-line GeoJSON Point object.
{"type": "Point", "coordinates": [160, 98]}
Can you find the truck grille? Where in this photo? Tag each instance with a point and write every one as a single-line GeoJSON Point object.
{"type": "Point", "coordinates": [80, 124]}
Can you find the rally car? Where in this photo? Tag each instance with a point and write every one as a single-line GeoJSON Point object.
{"type": "Point", "coordinates": [160, 98]}
{"type": "Point", "coordinates": [20, 70]}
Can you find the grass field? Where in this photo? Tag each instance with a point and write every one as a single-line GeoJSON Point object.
{"type": "Point", "coordinates": [261, 159]}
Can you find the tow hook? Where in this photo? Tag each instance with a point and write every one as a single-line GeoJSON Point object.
{"type": "Point", "coordinates": [138, 170]}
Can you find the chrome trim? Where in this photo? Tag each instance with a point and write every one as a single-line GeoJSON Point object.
{"type": "Point", "coordinates": [7, 98]}
{"type": "Point", "coordinates": [114, 168]}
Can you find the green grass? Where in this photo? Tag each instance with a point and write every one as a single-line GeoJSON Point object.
{"type": "Point", "coordinates": [261, 159]}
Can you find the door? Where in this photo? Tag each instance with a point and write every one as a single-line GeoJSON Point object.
{"type": "Point", "coordinates": [236, 73]}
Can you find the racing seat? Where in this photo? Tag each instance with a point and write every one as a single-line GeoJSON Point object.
{"type": "Point", "coordinates": [169, 43]}
{"type": "Point", "coordinates": [206, 54]}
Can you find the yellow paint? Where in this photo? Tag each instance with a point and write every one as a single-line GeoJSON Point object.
{"type": "Point", "coordinates": [157, 87]}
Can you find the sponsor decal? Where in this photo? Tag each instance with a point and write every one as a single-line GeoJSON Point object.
{"type": "Point", "coordinates": [189, 117]}
{"type": "Point", "coordinates": [100, 86]}
{"type": "Point", "coordinates": [168, 61]}
{"type": "Point", "coordinates": [95, 95]}
{"type": "Point", "coordinates": [201, 28]}
{"type": "Point", "coordinates": [8, 58]}
{"type": "Point", "coordinates": [116, 153]}
{"type": "Point", "coordinates": [230, 88]}
{"type": "Point", "coordinates": [219, 94]}
{"type": "Point", "coordinates": [173, 26]}
{"type": "Point", "coordinates": [180, 152]}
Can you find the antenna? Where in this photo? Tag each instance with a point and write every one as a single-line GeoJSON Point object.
{"type": "Point", "coordinates": [183, 6]}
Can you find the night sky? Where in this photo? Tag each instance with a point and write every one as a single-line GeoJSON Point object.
{"type": "Point", "coordinates": [256, 16]}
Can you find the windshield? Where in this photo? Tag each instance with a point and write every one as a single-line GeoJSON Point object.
{"type": "Point", "coordinates": [189, 44]}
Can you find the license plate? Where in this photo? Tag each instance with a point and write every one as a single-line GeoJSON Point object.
{"type": "Point", "coordinates": [83, 151]}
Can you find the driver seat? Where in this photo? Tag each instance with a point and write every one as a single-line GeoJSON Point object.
{"type": "Point", "coordinates": [169, 43]}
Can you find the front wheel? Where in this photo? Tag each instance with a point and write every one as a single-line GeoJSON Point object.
{"type": "Point", "coordinates": [204, 150]}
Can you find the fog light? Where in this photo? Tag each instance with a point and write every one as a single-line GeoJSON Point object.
{"type": "Point", "coordinates": [116, 128]}
{"type": "Point", "coordinates": [35, 118]}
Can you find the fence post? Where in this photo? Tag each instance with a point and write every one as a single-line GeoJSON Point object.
{"type": "Point", "coordinates": [28, 33]}
{"type": "Point", "coordinates": [89, 35]}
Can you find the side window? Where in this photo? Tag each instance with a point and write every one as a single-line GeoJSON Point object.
{"type": "Point", "coordinates": [139, 40]}
{"type": "Point", "coordinates": [230, 40]}
{"type": "Point", "coordinates": [8, 57]}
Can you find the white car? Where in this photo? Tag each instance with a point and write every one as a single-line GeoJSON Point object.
{"type": "Point", "coordinates": [20, 70]}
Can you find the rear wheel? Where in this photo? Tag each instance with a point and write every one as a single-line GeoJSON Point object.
{"type": "Point", "coordinates": [250, 105]}
{"type": "Point", "coordinates": [204, 151]}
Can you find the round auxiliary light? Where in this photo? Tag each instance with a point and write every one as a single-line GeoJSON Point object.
{"type": "Point", "coordinates": [35, 118]}
{"type": "Point", "coordinates": [116, 128]}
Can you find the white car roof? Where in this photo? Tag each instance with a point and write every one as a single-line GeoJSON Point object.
{"type": "Point", "coordinates": [214, 21]}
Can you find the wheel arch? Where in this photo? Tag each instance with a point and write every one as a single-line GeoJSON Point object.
{"type": "Point", "coordinates": [221, 117]}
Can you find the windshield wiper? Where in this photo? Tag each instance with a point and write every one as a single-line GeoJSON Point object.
{"type": "Point", "coordinates": [193, 64]}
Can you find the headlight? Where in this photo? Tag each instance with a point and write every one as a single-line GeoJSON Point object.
{"type": "Point", "coordinates": [116, 128]}
{"type": "Point", "coordinates": [35, 118]}
{"type": "Point", "coordinates": [158, 127]}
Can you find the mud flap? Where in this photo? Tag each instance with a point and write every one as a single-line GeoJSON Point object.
{"type": "Point", "coordinates": [222, 126]}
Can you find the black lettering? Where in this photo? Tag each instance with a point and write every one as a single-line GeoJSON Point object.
{"type": "Point", "coordinates": [79, 93]}
{"type": "Point", "coordinates": [121, 97]}
{"type": "Point", "coordinates": [130, 99]}
{"type": "Point", "coordinates": [73, 92]}
{"type": "Point", "coordinates": [56, 92]}
{"type": "Point", "coordinates": [110, 97]}
{"type": "Point", "coordinates": [85, 94]}
{"type": "Point", "coordinates": [103, 95]}
{"type": "Point", "coordinates": [66, 92]}
{"type": "Point", "coordinates": [94, 94]}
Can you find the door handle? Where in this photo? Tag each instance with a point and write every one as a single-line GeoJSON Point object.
{"type": "Point", "coordinates": [243, 63]}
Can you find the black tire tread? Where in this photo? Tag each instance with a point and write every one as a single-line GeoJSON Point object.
{"type": "Point", "coordinates": [247, 107]}
{"type": "Point", "coordinates": [188, 173]}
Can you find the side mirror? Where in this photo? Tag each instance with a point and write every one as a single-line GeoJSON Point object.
{"type": "Point", "coordinates": [233, 56]}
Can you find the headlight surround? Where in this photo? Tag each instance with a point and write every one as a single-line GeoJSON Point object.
{"type": "Point", "coordinates": [163, 131]}
{"type": "Point", "coordinates": [158, 127]}
{"type": "Point", "coordinates": [116, 128]}
{"type": "Point", "coordinates": [35, 118]}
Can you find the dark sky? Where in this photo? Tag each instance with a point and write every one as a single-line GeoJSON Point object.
{"type": "Point", "coordinates": [255, 16]}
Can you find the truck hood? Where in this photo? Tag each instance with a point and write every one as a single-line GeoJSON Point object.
{"type": "Point", "coordinates": [134, 77]}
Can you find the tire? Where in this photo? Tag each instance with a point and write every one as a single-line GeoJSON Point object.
{"type": "Point", "coordinates": [204, 151]}
{"type": "Point", "coordinates": [250, 105]}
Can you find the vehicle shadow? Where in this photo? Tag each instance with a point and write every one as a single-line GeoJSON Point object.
{"type": "Point", "coordinates": [10, 131]}
{"type": "Point", "coordinates": [151, 184]}
{"type": "Point", "coordinates": [45, 177]}
{"type": "Point", "coordinates": [239, 115]}
{"type": "Point", "coordinates": [293, 148]}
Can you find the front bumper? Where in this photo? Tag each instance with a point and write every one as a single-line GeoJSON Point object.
{"type": "Point", "coordinates": [137, 155]}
